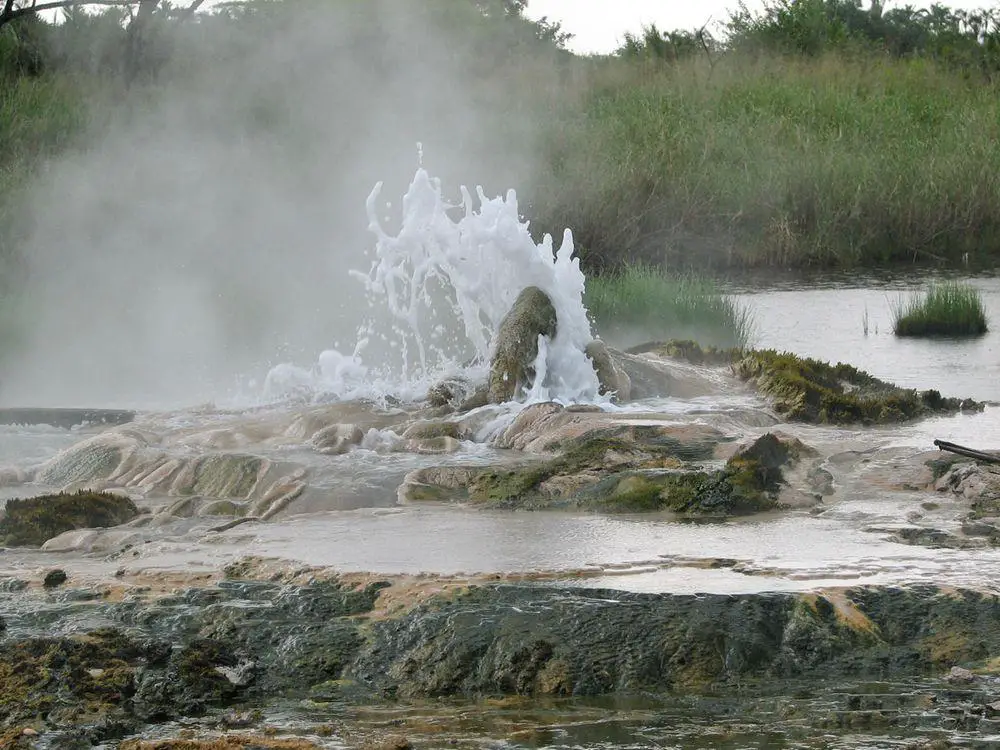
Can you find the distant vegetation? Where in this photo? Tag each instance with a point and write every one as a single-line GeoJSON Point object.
{"type": "Point", "coordinates": [638, 304]}
{"type": "Point", "coordinates": [811, 133]}
{"type": "Point", "coordinates": [945, 309]}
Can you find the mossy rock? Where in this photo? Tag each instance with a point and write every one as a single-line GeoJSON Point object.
{"type": "Point", "coordinates": [67, 681]}
{"type": "Point", "coordinates": [807, 390]}
{"type": "Point", "coordinates": [613, 380]}
{"type": "Point", "coordinates": [512, 364]}
{"type": "Point", "coordinates": [627, 477]}
{"type": "Point", "coordinates": [733, 491]}
{"type": "Point", "coordinates": [33, 521]}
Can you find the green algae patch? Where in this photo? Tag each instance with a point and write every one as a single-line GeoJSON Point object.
{"type": "Point", "coordinates": [807, 390]}
{"type": "Point", "coordinates": [618, 476]}
{"type": "Point", "coordinates": [33, 521]}
{"type": "Point", "coordinates": [583, 463]}
{"type": "Point", "coordinates": [512, 364]}
{"type": "Point", "coordinates": [67, 681]}
{"type": "Point", "coordinates": [732, 491]}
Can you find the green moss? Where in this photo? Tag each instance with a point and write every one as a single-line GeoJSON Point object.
{"type": "Point", "coordinates": [518, 487]}
{"type": "Point", "coordinates": [33, 521]}
{"type": "Point", "coordinates": [67, 680]}
{"type": "Point", "coordinates": [749, 483]}
{"type": "Point", "coordinates": [808, 390]}
{"type": "Point", "coordinates": [512, 364]}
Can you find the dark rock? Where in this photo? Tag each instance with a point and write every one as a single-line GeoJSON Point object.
{"type": "Point", "coordinates": [33, 521]}
{"type": "Point", "coordinates": [516, 347]}
{"type": "Point", "coordinates": [55, 578]}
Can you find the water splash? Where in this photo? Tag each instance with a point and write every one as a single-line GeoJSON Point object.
{"type": "Point", "coordinates": [438, 290]}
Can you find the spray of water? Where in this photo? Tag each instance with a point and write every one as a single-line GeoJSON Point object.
{"type": "Point", "coordinates": [438, 290]}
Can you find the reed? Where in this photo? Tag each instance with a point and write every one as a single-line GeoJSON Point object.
{"type": "Point", "coordinates": [945, 309]}
{"type": "Point", "coordinates": [639, 303]}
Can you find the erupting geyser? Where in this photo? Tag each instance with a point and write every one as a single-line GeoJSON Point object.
{"type": "Point", "coordinates": [438, 290]}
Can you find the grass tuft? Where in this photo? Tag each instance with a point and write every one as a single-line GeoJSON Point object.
{"type": "Point", "coordinates": [641, 303]}
{"type": "Point", "coordinates": [947, 309]}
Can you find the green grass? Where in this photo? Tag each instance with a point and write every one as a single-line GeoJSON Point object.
{"type": "Point", "coordinates": [946, 309]}
{"type": "Point", "coordinates": [832, 161]}
{"type": "Point", "coordinates": [639, 304]}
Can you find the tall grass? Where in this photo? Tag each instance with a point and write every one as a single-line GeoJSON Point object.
{"type": "Point", "coordinates": [831, 161]}
{"type": "Point", "coordinates": [639, 303]}
{"type": "Point", "coordinates": [946, 309]}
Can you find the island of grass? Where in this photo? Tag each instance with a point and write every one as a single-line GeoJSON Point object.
{"type": "Point", "coordinates": [945, 309]}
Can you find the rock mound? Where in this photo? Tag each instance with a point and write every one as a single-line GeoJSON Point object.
{"type": "Point", "coordinates": [33, 521]}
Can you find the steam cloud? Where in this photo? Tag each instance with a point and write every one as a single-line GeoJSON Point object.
{"type": "Point", "coordinates": [207, 233]}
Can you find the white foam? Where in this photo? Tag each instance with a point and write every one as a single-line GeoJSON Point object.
{"type": "Point", "coordinates": [438, 290]}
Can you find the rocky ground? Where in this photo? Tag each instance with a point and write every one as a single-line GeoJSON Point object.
{"type": "Point", "coordinates": [263, 653]}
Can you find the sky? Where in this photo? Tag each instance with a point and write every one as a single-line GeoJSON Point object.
{"type": "Point", "coordinates": [600, 25]}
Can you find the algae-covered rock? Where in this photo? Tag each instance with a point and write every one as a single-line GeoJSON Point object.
{"type": "Point", "coordinates": [33, 521]}
{"type": "Point", "coordinates": [68, 681]}
{"type": "Point", "coordinates": [808, 390]}
{"type": "Point", "coordinates": [612, 378]}
{"type": "Point", "coordinates": [516, 348]}
{"type": "Point", "coordinates": [616, 475]}
{"type": "Point", "coordinates": [539, 641]}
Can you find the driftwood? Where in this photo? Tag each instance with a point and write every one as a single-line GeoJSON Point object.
{"type": "Point", "coordinates": [961, 450]}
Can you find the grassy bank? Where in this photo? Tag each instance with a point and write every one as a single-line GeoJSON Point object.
{"type": "Point", "coordinates": [639, 304]}
{"type": "Point", "coordinates": [833, 161]}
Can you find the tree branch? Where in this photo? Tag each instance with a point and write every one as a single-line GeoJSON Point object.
{"type": "Point", "coordinates": [10, 12]}
{"type": "Point", "coordinates": [190, 10]}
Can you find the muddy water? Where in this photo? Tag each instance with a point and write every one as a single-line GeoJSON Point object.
{"type": "Point", "coordinates": [829, 324]}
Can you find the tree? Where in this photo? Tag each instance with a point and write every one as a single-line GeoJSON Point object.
{"type": "Point", "coordinates": [14, 9]}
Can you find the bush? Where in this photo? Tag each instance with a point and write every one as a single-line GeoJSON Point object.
{"type": "Point", "coordinates": [948, 309]}
{"type": "Point", "coordinates": [640, 304]}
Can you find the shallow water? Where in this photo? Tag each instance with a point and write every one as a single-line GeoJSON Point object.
{"type": "Point", "coordinates": [828, 324]}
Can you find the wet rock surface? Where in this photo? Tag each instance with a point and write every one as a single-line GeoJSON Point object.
{"type": "Point", "coordinates": [627, 469]}
{"type": "Point", "coordinates": [244, 648]}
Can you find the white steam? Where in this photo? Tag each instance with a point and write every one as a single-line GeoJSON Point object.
{"type": "Point", "coordinates": [202, 232]}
